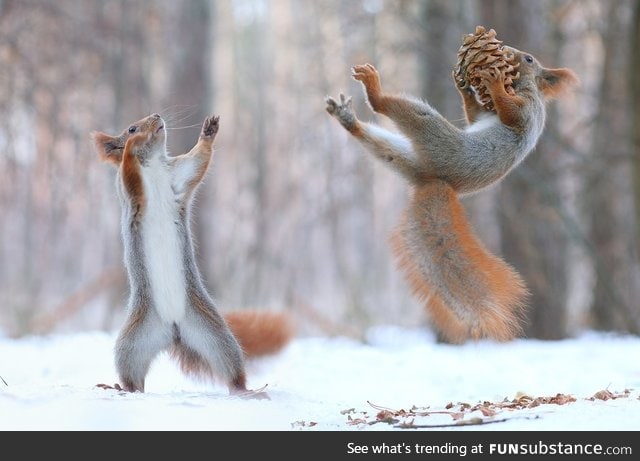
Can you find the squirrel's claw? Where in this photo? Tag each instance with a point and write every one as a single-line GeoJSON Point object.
{"type": "Point", "coordinates": [210, 126]}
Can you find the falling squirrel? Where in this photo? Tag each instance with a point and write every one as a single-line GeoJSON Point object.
{"type": "Point", "coordinates": [469, 292]}
{"type": "Point", "coordinates": [169, 307]}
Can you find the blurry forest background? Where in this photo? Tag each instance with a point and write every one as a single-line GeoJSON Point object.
{"type": "Point", "coordinates": [294, 214]}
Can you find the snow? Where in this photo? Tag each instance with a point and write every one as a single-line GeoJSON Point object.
{"type": "Point", "coordinates": [330, 384]}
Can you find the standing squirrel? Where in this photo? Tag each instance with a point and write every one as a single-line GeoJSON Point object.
{"type": "Point", "coordinates": [469, 292]}
{"type": "Point", "coordinates": [169, 307]}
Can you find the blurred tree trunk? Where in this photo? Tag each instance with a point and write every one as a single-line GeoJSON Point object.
{"type": "Point", "coordinates": [254, 52]}
{"type": "Point", "coordinates": [632, 81]}
{"type": "Point", "coordinates": [612, 228]}
{"type": "Point", "coordinates": [533, 238]}
{"type": "Point", "coordinates": [130, 77]}
{"type": "Point", "coordinates": [348, 190]}
{"type": "Point", "coordinates": [190, 89]}
{"type": "Point", "coordinates": [437, 55]}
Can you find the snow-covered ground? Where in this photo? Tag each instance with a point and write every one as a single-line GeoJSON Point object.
{"type": "Point", "coordinates": [398, 377]}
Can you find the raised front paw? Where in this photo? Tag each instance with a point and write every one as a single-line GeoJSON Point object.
{"type": "Point", "coordinates": [368, 75]}
{"type": "Point", "coordinates": [342, 111]}
{"type": "Point", "coordinates": [210, 126]}
{"type": "Point", "coordinates": [491, 77]}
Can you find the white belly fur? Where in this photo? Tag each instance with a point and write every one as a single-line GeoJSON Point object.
{"type": "Point", "coordinates": [162, 247]}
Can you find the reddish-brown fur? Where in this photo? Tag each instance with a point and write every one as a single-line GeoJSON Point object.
{"type": "Point", "coordinates": [563, 80]}
{"type": "Point", "coordinates": [508, 107]}
{"type": "Point", "coordinates": [511, 109]}
{"type": "Point", "coordinates": [132, 176]}
{"type": "Point", "coordinates": [260, 332]}
{"type": "Point", "coordinates": [494, 302]}
{"type": "Point", "coordinates": [108, 147]}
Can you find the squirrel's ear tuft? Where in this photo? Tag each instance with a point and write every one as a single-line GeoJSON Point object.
{"type": "Point", "coordinates": [107, 147]}
{"type": "Point", "coordinates": [554, 83]}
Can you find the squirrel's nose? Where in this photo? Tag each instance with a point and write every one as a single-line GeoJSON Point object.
{"type": "Point", "coordinates": [155, 115]}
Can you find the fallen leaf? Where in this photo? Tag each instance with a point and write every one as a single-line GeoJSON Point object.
{"type": "Point", "coordinates": [487, 411]}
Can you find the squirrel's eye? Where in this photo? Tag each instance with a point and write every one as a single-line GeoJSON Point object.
{"type": "Point", "coordinates": [529, 59]}
{"type": "Point", "coordinates": [132, 129]}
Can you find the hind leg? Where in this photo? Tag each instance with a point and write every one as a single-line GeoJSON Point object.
{"type": "Point", "coordinates": [140, 340]}
{"type": "Point", "coordinates": [209, 341]}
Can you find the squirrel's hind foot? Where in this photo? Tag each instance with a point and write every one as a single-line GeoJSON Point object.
{"type": "Point", "coordinates": [257, 394]}
{"type": "Point", "coordinates": [115, 387]}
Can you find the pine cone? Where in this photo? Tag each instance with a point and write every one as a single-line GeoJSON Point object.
{"type": "Point", "coordinates": [482, 50]}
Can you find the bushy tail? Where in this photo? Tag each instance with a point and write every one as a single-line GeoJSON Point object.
{"type": "Point", "coordinates": [260, 332]}
{"type": "Point", "coordinates": [469, 293]}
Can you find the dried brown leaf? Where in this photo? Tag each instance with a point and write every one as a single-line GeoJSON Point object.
{"type": "Point", "coordinates": [386, 417]}
{"type": "Point", "coordinates": [535, 403]}
{"type": "Point", "coordinates": [303, 423]}
{"type": "Point", "coordinates": [608, 395]}
{"type": "Point", "coordinates": [384, 414]}
{"type": "Point", "coordinates": [561, 399]}
{"type": "Point", "coordinates": [356, 421]}
{"type": "Point", "coordinates": [486, 411]}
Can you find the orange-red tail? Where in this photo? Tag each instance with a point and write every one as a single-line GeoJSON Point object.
{"type": "Point", "coordinates": [260, 332]}
{"type": "Point", "coordinates": [469, 292]}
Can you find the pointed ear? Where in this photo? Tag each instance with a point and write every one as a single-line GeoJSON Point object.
{"type": "Point", "coordinates": [554, 83]}
{"type": "Point", "coordinates": [107, 147]}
